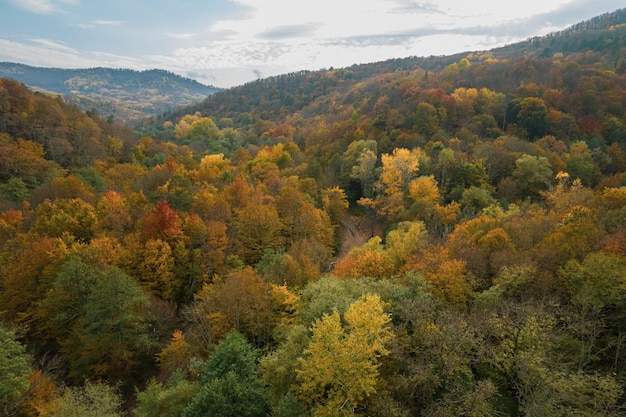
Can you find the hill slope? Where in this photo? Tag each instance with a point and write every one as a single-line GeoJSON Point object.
{"type": "Point", "coordinates": [449, 237]}
{"type": "Point", "coordinates": [598, 42]}
{"type": "Point", "coordinates": [125, 94]}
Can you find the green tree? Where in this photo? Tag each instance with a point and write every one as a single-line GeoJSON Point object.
{"type": "Point", "coordinates": [66, 300]}
{"type": "Point", "coordinates": [99, 319]}
{"type": "Point", "coordinates": [91, 400]}
{"type": "Point", "coordinates": [230, 384]}
{"type": "Point", "coordinates": [533, 174]}
{"type": "Point", "coordinates": [327, 294]}
{"type": "Point", "coordinates": [532, 117]}
{"type": "Point", "coordinates": [204, 128]}
{"type": "Point", "coordinates": [352, 154]}
{"type": "Point", "coordinates": [529, 355]}
{"type": "Point", "coordinates": [14, 371]}
{"type": "Point", "coordinates": [195, 127]}
{"type": "Point", "coordinates": [114, 329]}
{"type": "Point", "coordinates": [426, 119]}
{"type": "Point", "coordinates": [278, 368]}
{"type": "Point", "coordinates": [463, 176]}
{"type": "Point", "coordinates": [596, 286]}
{"type": "Point", "coordinates": [15, 190]}
{"type": "Point", "coordinates": [166, 400]}
{"type": "Point", "coordinates": [431, 364]}
{"type": "Point", "coordinates": [288, 406]}
{"type": "Point", "coordinates": [405, 239]}
{"type": "Point", "coordinates": [580, 164]}
{"type": "Point", "coordinates": [475, 199]}
{"type": "Point", "coordinates": [364, 171]}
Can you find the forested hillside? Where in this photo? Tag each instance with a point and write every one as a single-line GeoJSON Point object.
{"type": "Point", "coordinates": [126, 95]}
{"type": "Point", "coordinates": [436, 236]}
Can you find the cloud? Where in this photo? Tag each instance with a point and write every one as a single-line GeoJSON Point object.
{"type": "Point", "coordinates": [36, 6]}
{"type": "Point", "coordinates": [289, 31]}
{"type": "Point", "coordinates": [52, 45]}
{"type": "Point", "coordinates": [108, 59]}
{"type": "Point", "coordinates": [383, 39]}
{"type": "Point", "coordinates": [240, 40]}
{"type": "Point", "coordinates": [95, 23]}
{"type": "Point", "coordinates": [180, 35]}
{"type": "Point", "coordinates": [42, 56]}
{"type": "Point", "coordinates": [228, 54]}
{"type": "Point", "coordinates": [415, 7]}
{"type": "Point", "coordinates": [107, 22]}
{"type": "Point", "coordinates": [374, 22]}
{"type": "Point", "coordinates": [43, 6]}
{"type": "Point", "coordinates": [270, 19]}
{"type": "Point", "coordinates": [475, 29]}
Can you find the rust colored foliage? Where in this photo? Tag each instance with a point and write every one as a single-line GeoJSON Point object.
{"type": "Point", "coordinates": [163, 223]}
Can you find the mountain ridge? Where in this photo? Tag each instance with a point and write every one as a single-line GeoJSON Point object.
{"type": "Point", "coordinates": [602, 37]}
{"type": "Point", "coordinates": [93, 89]}
{"type": "Point", "coordinates": [126, 94]}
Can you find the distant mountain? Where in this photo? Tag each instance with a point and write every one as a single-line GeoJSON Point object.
{"type": "Point", "coordinates": [124, 94]}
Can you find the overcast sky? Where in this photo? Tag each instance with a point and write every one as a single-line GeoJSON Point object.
{"type": "Point", "coordinates": [230, 42]}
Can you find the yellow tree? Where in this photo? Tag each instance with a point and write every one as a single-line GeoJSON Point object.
{"type": "Point", "coordinates": [28, 269]}
{"type": "Point", "coordinates": [154, 271]}
{"type": "Point", "coordinates": [369, 260]}
{"type": "Point", "coordinates": [257, 226]}
{"type": "Point", "coordinates": [74, 217]}
{"type": "Point", "coordinates": [398, 170]}
{"type": "Point", "coordinates": [335, 203]}
{"type": "Point", "coordinates": [212, 167]}
{"type": "Point", "coordinates": [113, 213]}
{"type": "Point", "coordinates": [10, 224]}
{"type": "Point", "coordinates": [447, 277]}
{"type": "Point", "coordinates": [176, 354]}
{"type": "Point", "coordinates": [194, 126]}
{"type": "Point", "coordinates": [339, 369]}
{"type": "Point", "coordinates": [242, 301]}
{"type": "Point", "coordinates": [424, 192]}
{"type": "Point", "coordinates": [406, 239]}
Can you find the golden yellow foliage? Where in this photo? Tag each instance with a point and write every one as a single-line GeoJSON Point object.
{"type": "Point", "coordinates": [176, 354]}
{"type": "Point", "coordinates": [447, 277]}
{"type": "Point", "coordinates": [340, 366]}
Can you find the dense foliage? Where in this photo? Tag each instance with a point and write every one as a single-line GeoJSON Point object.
{"type": "Point", "coordinates": [424, 241]}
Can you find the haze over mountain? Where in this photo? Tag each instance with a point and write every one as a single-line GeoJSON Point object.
{"type": "Point", "coordinates": [124, 94]}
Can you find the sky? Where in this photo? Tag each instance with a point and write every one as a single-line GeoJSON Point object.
{"type": "Point", "coordinates": [230, 42]}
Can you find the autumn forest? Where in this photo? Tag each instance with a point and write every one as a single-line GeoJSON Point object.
{"type": "Point", "coordinates": [440, 236]}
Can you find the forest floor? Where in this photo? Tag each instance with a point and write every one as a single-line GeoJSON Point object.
{"type": "Point", "coordinates": [354, 231]}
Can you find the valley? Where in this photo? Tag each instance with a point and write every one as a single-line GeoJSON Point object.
{"type": "Point", "coordinates": [422, 236]}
